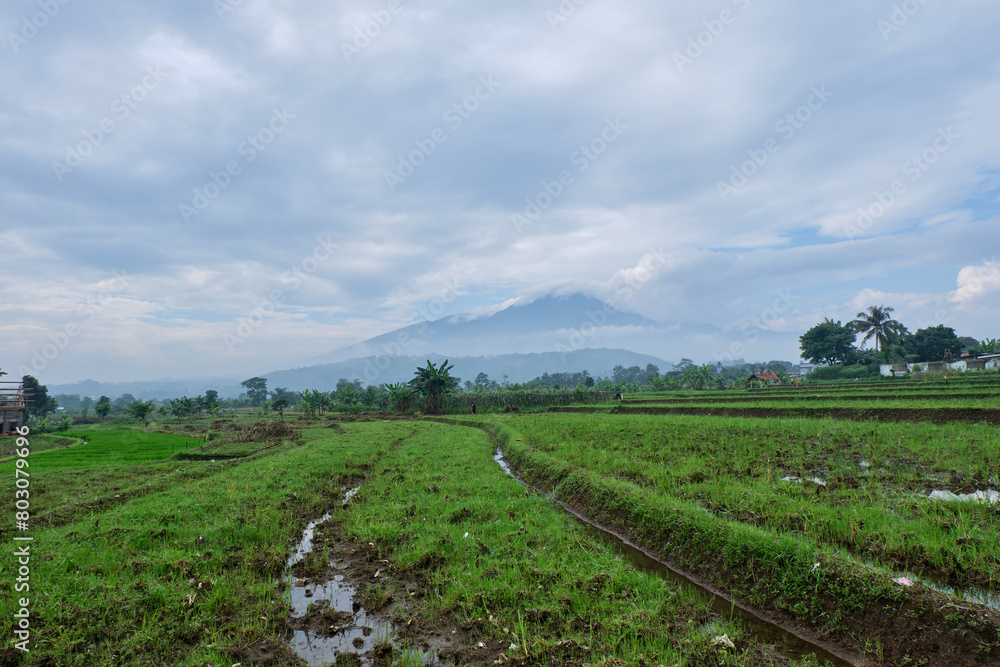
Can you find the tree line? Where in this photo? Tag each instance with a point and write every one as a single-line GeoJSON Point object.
{"type": "Point", "coordinates": [834, 343]}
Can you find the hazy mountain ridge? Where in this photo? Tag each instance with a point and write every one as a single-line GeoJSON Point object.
{"type": "Point", "coordinates": [376, 370]}
{"type": "Point", "coordinates": [544, 325]}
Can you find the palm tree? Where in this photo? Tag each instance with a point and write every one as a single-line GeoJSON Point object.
{"type": "Point", "coordinates": [176, 408]}
{"type": "Point", "coordinates": [188, 406]}
{"type": "Point", "coordinates": [323, 400]}
{"type": "Point", "coordinates": [434, 383]}
{"type": "Point", "coordinates": [988, 346]}
{"type": "Point", "coordinates": [347, 396]}
{"type": "Point", "coordinates": [876, 323]}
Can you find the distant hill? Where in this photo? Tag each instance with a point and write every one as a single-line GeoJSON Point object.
{"type": "Point", "coordinates": [379, 370]}
{"type": "Point", "coordinates": [151, 389]}
{"type": "Point", "coordinates": [517, 367]}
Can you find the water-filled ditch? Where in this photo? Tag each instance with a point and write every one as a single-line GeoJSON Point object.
{"type": "Point", "coordinates": [763, 631]}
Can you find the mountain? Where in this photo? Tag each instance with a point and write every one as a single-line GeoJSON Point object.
{"type": "Point", "coordinates": [548, 324]}
{"type": "Point", "coordinates": [551, 334]}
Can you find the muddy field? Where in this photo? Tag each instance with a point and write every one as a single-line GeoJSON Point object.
{"type": "Point", "coordinates": [643, 536]}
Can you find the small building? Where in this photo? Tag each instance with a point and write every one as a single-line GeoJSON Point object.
{"type": "Point", "coordinates": [968, 363]}
{"type": "Point", "coordinates": [765, 378]}
{"type": "Point", "coordinates": [13, 409]}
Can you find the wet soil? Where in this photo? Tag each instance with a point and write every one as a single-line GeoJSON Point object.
{"type": "Point", "coordinates": [358, 608]}
{"type": "Point", "coordinates": [931, 415]}
{"type": "Point", "coordinates": [912, 625]}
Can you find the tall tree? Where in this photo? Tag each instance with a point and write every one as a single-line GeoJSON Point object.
{"type": "Point", "coordinates": [37, 398]}
{"type": "Point", "coordinates": [140, 410]}
{"type": "Point", "coordinates": [935, 343]}
{"type": "Point", "coordinates": [256, 390]}
{"type": "Point", "coordinates": [103, 407]}
{"type": "Point", "coordinates": [828, 342]}
{"type": "Point", "coordinates": [876, 323]}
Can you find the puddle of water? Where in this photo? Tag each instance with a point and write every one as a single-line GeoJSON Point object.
{"type": "Point", "coordinates": [358, 635]}
{"type": "Point", "coordinates": [502, 462]}
{"type": "Point", "coordinates": [761, 630]}
{"type": "Point", "coordinates": [979, 596]}
{"type": "Point", "coordinates": [990, 496]}
{"type": "Point", "coordinates": [361, 635]}
{"type": "Point", "coordinates": [814, 480]}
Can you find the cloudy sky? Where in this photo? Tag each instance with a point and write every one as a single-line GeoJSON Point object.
{"type": "Point", "coordinates": [230, 186]}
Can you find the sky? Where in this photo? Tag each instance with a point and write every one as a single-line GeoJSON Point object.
{"type": "Point", "coordinates": [228, 186]}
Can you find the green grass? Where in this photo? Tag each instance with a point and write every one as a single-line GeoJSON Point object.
{"type": "Point", "coordinates": [710, 489]}
{"type": "Point", "coordinates": [39, 443]}
{"type": "Point", "coordinates": [184, 568]}
{"type": "Point", "coordinates": [874, 473]}
{"type": "Point", "coordinates": [107, 448]}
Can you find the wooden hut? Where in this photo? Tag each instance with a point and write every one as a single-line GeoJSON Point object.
{"type": "Point", "coordinates": [13, 408]}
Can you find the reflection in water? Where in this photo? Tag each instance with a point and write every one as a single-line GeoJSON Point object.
{"type": "Point", "coordinates": [360, 635]}
{"type": "Point", "coordinates": [990, 496]}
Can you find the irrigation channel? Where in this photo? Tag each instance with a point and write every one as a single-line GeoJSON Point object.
{"type": "Point", "coordinates": [789, 643]}
{"type": "Point", "coordinates": [360, 633]}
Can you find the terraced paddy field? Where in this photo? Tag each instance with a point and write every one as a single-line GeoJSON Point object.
{"type": "Point", "coordinates": [738, 541]}
{"type": "Point", "coordinates": [965, 399]}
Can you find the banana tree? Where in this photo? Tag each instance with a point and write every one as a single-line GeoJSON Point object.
{"type": "Point", "coordinates": [434, 382]}
{"type": "Point", "coordinates": [308, 402]}
{"type": "Point", "coordinates": [400, 394]}
{"type": "Point", "coordinates": [347, 396]}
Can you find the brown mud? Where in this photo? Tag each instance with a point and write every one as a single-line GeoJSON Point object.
{"type": "Point", "coordinates": [351, 605]}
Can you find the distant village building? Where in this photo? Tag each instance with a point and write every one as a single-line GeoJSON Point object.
{"type": "Point", "coordinates": [985, 362]}
{"type": "Point", "coordinates": [12, 407]}
{"type": "Point", "coordinates": [801, 370]}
